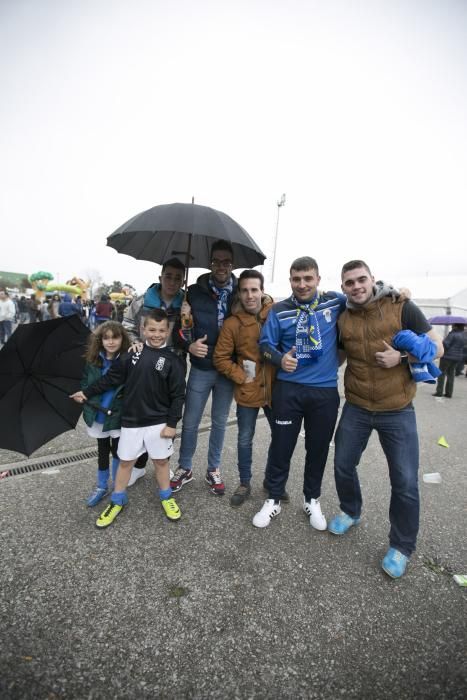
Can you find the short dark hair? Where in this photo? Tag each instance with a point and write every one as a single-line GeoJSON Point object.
{"type": "Point", "coordinates": [222, 245]}
{"type": "Point", "coordinates": [304, 263]}
{"type": "Point", "coordinates": [155, 315]}
{"type": "Point", "coordinates": [252, 274]}
{"type": "Point", "coordinates": [354, 265]}
{"type": "Point", "coordinates": [174, 262]}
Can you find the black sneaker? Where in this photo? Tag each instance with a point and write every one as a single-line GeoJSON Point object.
{"type": "Point", "coordinates": [240, 495]}
{"type": "Point", "coordinates": [285, 498]}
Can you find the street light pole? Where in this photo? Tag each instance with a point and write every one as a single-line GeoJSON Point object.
{"type": "Point", "coordinates": [280, 204]}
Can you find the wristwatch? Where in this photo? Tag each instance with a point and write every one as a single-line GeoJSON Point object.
{"type": "Point", "coordinates": [404, 358]}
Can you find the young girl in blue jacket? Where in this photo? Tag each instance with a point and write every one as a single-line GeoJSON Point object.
{"type": "Point", "coordinates": [102, 414]}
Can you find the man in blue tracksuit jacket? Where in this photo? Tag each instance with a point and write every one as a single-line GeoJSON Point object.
{"type": "Point", "coordinates": [300, 338]}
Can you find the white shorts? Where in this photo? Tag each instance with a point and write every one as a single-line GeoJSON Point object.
{"type": "Point", "coordinates": [134, 441]}
{"type": "Point", "coordinates": [96, 431]}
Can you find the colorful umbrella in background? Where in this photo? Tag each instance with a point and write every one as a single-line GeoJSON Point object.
{"type": "Point", "coordinates": [447, 320]}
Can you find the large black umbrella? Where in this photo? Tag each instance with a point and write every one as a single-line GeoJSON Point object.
{"type": "Point", "coordinates": [40, 366]}
{"type": "Point", "coordinates": [184, 231]}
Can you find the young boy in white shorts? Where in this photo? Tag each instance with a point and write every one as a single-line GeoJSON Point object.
{"type": "Point", "coordinates": [154, 379]}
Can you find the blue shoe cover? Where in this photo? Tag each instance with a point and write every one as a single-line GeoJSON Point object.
{"type": "Point", "coordinates": [341, 523]}
{"type": "Point", "coordinates": [394, 563]}
{"type": "Point", "coordinates": [97, 495]}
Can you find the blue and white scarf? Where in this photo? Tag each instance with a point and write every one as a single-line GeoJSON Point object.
{"type": "Point", "coordinates": [308, 341]}
{"type": "Point", "coordinates": [222, 296]}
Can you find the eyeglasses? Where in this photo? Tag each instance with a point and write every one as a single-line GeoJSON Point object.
{"type": "Point", "coordinates": [221, 263]}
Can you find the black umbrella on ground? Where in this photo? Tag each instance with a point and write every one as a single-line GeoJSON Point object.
{"type": "Point", "coordinates": [40, 366]}
{"type": "Point", "coordinates": [186, 232]}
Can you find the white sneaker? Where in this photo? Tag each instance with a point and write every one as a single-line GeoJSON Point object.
{"type": "Point", "coordinates": [135, 475]}
{"type": "Point", "coordinates": [313, 509]}
{"type": "Point", "coordinates": [267, 513]}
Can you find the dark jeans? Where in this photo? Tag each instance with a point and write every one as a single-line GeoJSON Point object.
{"type": "Point", "coordinates": [246, 422]}
{"type": "Point", "coordinates": [448, 368]}
{"type": "Point", "coordinates": [291, 404]}
{"type": "Point", "coordinates": [397, 432]}
{"type": "Point", "coordinates": [5, 330]}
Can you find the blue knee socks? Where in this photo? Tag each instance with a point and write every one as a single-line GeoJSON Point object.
{"type": "Point", "coordinates": [120, 498]}
{"type": "Point", "coordinates": [102, 478]}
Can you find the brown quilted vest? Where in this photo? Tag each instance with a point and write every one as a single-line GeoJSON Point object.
{"type": "Point", "coordinates": [362, 332]}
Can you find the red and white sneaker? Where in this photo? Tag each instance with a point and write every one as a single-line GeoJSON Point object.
{"type": "Point", "coordinates": [216, 485]}
{"type": "Point", "coordinates": [181, 476]}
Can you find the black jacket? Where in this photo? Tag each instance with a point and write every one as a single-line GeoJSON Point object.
{"type": "Point", "coordinates": [154, 387]}
{"type": "Point", "coordinates": [454, 346]}
{"type": "Point", "coordinates": [203, 304]}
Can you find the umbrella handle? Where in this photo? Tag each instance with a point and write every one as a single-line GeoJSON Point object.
{"type": "Point", "coordinates": [98, 407]}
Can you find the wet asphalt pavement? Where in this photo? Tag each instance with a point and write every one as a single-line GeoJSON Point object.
{"type": "Point", "coordinates": [211, 607]}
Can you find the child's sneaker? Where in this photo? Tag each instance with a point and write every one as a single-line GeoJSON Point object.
{"type": "Point", "coordinates": [135, 475]}
{"type": "Point", "coordinates": [181, 476]}
{"type": "Point", "coordinates": [108, 516]}
{"type": "Point", "coordinates": [269, 511]}
{"type": "Point", "coordinates": [216, 485]}
{"type": "Point", "coordinates": [171, 509]}
{"type": "Point", "coordinates": [96, 496]}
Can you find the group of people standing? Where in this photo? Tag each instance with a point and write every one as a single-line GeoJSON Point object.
{"type": "Point", "coordinates": [282, 358]}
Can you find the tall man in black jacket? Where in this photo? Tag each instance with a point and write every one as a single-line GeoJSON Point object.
{"type": "Point", "coordinates": [210, 301]}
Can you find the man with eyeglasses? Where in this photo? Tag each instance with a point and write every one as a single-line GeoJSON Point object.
{"type": "Point", "coordinates": [210, 302]}
{"type": "Point", "coordinates": [166, 294]}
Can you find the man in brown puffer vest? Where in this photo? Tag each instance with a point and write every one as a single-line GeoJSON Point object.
{"type": "Point", "coordinates": [379, 390]}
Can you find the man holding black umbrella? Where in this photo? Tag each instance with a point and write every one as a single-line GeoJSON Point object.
{"type": "Point", "coordinates": [210, 301]}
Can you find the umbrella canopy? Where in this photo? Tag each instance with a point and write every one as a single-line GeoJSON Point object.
{"type": "Point", "coordinates": [186, 232]}
{"type": "Point", "coordinates": [40, 366]}
{"type": "Point", "coordinates": [447, 320]}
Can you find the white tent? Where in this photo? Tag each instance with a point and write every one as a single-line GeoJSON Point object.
{"type": "Point", "coordinates": [437, 295]}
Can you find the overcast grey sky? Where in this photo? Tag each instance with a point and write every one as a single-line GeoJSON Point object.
{"type": "Point", "coordinates": [356, 110]}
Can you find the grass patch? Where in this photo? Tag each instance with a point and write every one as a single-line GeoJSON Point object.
{"type": "Point", "coordinates": [178, 591]}
{"type": "Point", "coordinates": [438, 567]}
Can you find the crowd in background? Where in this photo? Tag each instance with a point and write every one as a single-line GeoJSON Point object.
{"type": "Point", "coordinates": [16, 309]}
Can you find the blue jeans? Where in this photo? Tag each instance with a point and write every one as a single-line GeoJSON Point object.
{"type": "Point", "coordinates": [246, 422]}
{"type": "Point", "coordinates": [397, 432]}
{"type": "Point", "coordinates": [200, 384]}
